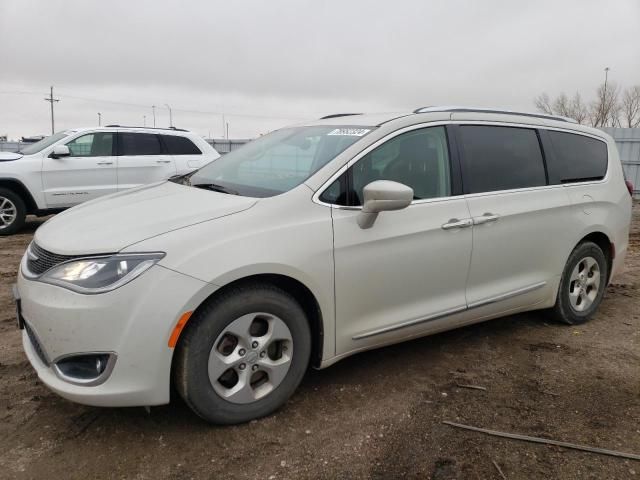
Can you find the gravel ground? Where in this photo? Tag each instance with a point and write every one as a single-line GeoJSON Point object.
{"type": "Point", "coordinates": [374, 415]}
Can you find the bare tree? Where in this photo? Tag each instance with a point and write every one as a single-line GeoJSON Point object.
{"type": "Point", "coordinates": [605, 109]}
{"type": "Point", "coordinates": [630, 106]}
{"type": "Point", "coordinates": [579, 109]}
{"type": "Point", "coordinates": [561, 105]}
{"type": "Point", "coordinates": [543, 104]}
{"type": "Point", "coordinates": [574, 108]}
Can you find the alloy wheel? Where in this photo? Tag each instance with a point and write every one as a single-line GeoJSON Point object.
{"type": "Point", "coordinates": [584, 284]}
{"type": "Point", "coordinates": [250, 358]}
{"type": "Point", "coordinates": [8, 212]}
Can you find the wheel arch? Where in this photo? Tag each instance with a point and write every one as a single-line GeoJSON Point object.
{"type": "Point", "coordinates": [606, 245]}
{"type": "Point", "coordinates": [299, 291]}
{"type": "Point", "coordinates": [18, 188]}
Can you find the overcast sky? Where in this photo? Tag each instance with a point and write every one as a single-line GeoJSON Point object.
{"type": "Point", "coordinates": [265, 64]}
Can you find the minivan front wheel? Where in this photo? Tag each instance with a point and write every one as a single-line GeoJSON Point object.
{"type": "Point", "coordinates": [243, 354]}
{"type": "Point", "coordinates": [12, 212]}
{"type": "Point", "coordinates": [582, 284]}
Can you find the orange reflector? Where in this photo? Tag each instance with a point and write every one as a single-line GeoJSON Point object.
{"type": "Point", "coordinates": [173, 339]}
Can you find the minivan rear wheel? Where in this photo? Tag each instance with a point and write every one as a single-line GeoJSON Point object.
{"type": "Point", "coordinates": [243, 354]}
{"type": "Point", "coordinates": [582, 284]}
{"type": "Point", "coordinates": [12, 212]}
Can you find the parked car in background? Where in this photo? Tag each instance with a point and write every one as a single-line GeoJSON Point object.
{"type": "Point", "coordinates": [316, 242]}
{"type": "Point", "coordinates": [73, 166]}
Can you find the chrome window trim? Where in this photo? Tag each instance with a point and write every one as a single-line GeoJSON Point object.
{"type": "Point", "coordinates": [316, 196]}
{"type": "Point", "coordinates": [111, 362]}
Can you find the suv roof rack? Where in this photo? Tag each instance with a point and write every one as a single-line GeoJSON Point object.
{"type": "Point", "coordinates": [148, 128]}
{"type": "Point", "coordinates": [492, 110]}
{"type": "Point", "coordinates": [336, 115]}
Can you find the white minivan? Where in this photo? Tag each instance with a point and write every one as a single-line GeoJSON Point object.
{"type": "Point", "coordinates": [74, 166]}
{"type": "Point", "coordinates": [316, 242]}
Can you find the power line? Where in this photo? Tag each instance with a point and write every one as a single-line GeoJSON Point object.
{"type": "Point", "coordinates": [141, 105]}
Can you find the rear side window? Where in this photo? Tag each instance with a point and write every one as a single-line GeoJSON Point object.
{"type": "Point", "coordinates": [500, 158]}
{"type": "Point", "coordinates": [177, 145]}
{"type": "Point", "coordinates": [577, 158]}
{"type": "Point", "coordinates": [139, 144]}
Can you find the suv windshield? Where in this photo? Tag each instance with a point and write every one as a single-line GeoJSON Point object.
{"type": "Point", "coordinates": [277, 162]}
{"type": "Point", "coordinates": [44, 143]}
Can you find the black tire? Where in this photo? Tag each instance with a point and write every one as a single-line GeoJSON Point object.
{"type": "Point", "coordinates": [563, 311]}
{"type": "Point", "coordinates": [20, 208]}
{"type": "Point", "coordinates": [190, 372]}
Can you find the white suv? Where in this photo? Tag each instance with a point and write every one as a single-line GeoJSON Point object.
{"type": "Point", "coordinates": [316, 242]}
{"type": "Point", "coordinates": [74, 166]}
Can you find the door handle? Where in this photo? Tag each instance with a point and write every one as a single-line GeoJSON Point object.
{"type": "Point", "coordinates": [105, 163]}
{"type": "Point", "coordinates": [163, 161]}
{"type": "Point", "coordinates": [455, 223]}
{"type": "Point", "coordinates": [486, 218]}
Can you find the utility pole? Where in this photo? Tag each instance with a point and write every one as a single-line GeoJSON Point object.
{"type": "Point", "coordinates": [99, 119]}
{"type": "Point", "coordinates": [170, 115]}
{"type": "Point", "coordinates": [50, 99]}
{"type": "Point", "coordinates": [144, 120]}
{"type": "Point", "coordinates": [153, 107]}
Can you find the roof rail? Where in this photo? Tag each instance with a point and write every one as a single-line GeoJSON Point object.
{"type": "Point", "coordinates": [492, 110]}
{"type": "Point", "coordinates": [336, 115]}
{"type": "Point", "coordinates": [148, 128]}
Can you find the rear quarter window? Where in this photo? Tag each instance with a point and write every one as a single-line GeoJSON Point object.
{"type": "Point", "coordinates": [177, 145]}
{"type": "Point", "coordinates": [576, 158]}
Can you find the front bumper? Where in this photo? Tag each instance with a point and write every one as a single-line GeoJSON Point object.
{"type": "Point", "coordinates": [134, 321]}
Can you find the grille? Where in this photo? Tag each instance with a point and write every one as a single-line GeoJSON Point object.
{"type": "Point", "coordinates": [43, 260]}
{"type": "Point", "coordinates": [36, 344]}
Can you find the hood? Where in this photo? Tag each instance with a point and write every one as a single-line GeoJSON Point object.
{"type": "Point", "coordinates": [109, 224]}
{"type": "Point", "coordinates": [9, 156]}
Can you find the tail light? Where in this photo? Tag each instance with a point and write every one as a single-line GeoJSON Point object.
{"type": "Point", "coordinates": [629, 187]}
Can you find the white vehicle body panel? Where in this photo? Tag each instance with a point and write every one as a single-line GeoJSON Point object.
{"type": "Point", "coordinates": [405, 277]}
{"type": "Point", "coordinates": [67, 181]}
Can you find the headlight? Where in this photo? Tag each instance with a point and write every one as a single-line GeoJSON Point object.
{"type": "Point", "coordinates": [100, 274]}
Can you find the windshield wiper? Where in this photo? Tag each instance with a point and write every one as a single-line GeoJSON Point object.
{"type": "Point", "coordinates": [217, 188]}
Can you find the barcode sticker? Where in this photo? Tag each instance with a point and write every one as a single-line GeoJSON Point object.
{"type": "Point", "coordinates": [350, 132]}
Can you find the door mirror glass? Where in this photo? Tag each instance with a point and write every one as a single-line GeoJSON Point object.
{"type": "Point", "coordinates": [59, 151]}
{"type": "Point", "coordinates": [382, 196]}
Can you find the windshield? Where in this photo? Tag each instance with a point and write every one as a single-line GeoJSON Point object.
{"type": "Point", "coordinates": [42, 144]}
{"type": "Point", "coordinates": [277, 162]}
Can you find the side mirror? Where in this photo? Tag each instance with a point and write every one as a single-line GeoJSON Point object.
{"type": "Point", "coordinates": [382, 196]}
{"type": "Point", "coordinates": [59, 151]}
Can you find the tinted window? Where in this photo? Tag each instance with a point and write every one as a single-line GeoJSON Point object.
{"type": "Point", "coordinates": [500, 158]}
{"type": "Point", "coordinates": [139, 144]}
{"type": "Point", "coordinates": [419, 159]}
{"type": "Point", "coordinates": [180, 145]}
{"type": "Point", "coordinates": [92, 145]}
{"type": "Point", "coordinates": [577, 157]}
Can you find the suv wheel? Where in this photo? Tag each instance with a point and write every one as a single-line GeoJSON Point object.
{"type": "Point", "coordinates": [12, 212]}
{"type": "Point", "coordinates": [243, 355]}
{"type": "Point", "coordinates": [582, 284]}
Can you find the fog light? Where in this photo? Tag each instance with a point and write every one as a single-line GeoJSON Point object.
{"type": "Point", "coordinates": [85, 368]}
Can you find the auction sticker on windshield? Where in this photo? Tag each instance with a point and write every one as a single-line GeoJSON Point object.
{"type": "Point", "coordinates": [350, 132]}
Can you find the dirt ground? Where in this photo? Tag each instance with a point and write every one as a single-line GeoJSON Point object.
{"type": "Point", "coordinates": [375, 415]}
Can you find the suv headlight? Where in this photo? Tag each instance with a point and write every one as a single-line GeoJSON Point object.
{"type": "Point", "coordinates": [100, 274]}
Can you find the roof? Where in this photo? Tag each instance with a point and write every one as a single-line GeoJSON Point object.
{"type": "Point", "coordinates": [462, 113]}
{"type": "Point", "coordinates": [117, 127]}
